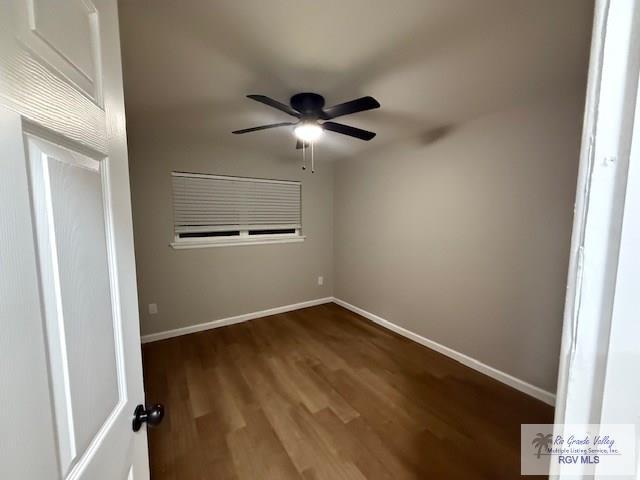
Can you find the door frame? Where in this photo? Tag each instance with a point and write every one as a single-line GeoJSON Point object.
{"type": "Point", "coordinates": [599, 307]}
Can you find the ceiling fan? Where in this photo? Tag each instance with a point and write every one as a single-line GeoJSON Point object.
{"type": "Point", "coordinates": [309, 109]}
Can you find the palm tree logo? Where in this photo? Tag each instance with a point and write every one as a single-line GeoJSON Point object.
{"type": "Point", "coordinates": [541, 441]}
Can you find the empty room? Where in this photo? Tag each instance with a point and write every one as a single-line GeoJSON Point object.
{"type": "Point", "coordinates": [290, 239]}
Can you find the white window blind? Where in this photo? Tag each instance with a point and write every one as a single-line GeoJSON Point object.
{"type": "Point", "coordinates": [213, 203]}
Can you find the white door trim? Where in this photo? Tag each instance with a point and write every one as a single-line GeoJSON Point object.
{"type": "Point", "coordinates": [603, 185]}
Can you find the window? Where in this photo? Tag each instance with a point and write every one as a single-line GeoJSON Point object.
{"type": "Point", "coordinates": [215, 210]}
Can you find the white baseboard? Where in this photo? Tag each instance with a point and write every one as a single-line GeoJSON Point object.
{"type": "Point", "coordinates": [521, 385]}
{"type": "Point", "coordinates": [223, 322]}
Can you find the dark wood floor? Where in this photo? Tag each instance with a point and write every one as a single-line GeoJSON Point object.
{"type": "Point", "coordinates": [322, 393]}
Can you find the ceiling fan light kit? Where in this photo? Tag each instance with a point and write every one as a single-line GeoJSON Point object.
{"type": "Point", "coordinates": [308, 131]}
{"type": "Point", "coordinates": [309, 109]}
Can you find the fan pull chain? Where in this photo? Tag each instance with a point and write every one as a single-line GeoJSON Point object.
{"type": "Point", "coordinates": [305, 145]}
{"type": "Point", "coordinates": [304, 156]}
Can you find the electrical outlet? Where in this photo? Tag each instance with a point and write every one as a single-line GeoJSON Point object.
{"type": "Point", "coordinates": [153, 308]}
{"type": "Point", "coordinates": [320, 280]}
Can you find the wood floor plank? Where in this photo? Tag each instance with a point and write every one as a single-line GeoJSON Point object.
{"type": "Point", "coordinates": [213, 444]}
{"type": "Point", "coordinates": [335, 401]}
{"type": "Point", "coordinates": [258, 453]}
{"type": "Point", "coordinates": [324, 394]}
{"type": "Point", "coordinates": [351, 447]}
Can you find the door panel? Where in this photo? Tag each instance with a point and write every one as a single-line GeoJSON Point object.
{"type": "Point", "coordinates": [70, 360]}
{"type": "Point", "coordinates": [50, 20]}
{"type": "Point", "coordinates": [38, 82]}
{"type": "Point", "coordinates": [82, 326]}
{"type": "Point", "coordinates": [65, 34]}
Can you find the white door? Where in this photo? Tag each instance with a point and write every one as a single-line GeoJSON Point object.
{"type": "Point", "coordinates": [70, 365]}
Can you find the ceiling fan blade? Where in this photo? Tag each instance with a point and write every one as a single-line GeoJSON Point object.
{"type": "Point", "coordinates": [275, 104]}
{"type": "Point", "coordinates": [263, 127]}
{"type": "Point", "coordinates": [354, 106]}
{"type": "Point", "coordinates": [348, 130]}
{"type": "Point", "coordinates": [300, 144]}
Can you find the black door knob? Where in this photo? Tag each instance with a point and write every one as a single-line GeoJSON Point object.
{"type": "Point", "coordinates": [152, 416]}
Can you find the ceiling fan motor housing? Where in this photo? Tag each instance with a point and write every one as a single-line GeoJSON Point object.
{"type": "Point", "coordinates": [309, 104]}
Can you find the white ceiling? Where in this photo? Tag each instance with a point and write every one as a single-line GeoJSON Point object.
{"type": "Point", "coordinates": [431, 63]}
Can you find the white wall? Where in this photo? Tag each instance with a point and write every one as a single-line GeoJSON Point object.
{"type": "Point", "coordinates": [464, 239]}
{"type": "Point", "coordinates": [200, 285]}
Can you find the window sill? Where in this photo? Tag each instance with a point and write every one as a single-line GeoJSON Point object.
{"type": "Point", "coordinates": [187, 244]}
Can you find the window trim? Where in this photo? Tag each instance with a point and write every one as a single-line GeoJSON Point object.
{"type": "Point", "coordinates": [243, 239]}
